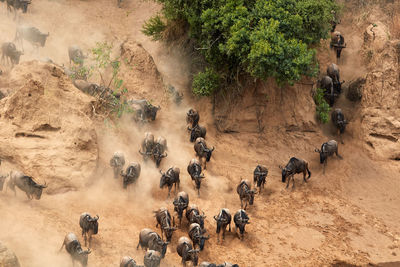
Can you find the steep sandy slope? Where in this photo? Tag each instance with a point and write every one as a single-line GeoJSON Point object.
{"type": "Point", "coordinates": [351, 213]}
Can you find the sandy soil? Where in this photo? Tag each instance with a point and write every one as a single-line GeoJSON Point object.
{"type": "Point", "coordinates": [351, 213]}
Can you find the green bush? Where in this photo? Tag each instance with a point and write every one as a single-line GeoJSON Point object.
{"type": "Point", "coordinates": [205, 83]}
{"type": "Point", "coordinates": [154, 27]}
{"type": "Point", "coordinates": [264, 38]}
{"type": "Point", "coordinates": [322, 107]}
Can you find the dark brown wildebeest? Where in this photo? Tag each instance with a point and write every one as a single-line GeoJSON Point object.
{"type": "Point", "coordinates": [202, 151]}
{"type": "Point", "coordinates": [127, 261]}
{"type": "Point", "coordinates": [89, 226]}
{"type": "Point", "coordinates": [30, 34]}
{"type": "Point", "coordinates": [18, 4]}
{"type": "Point", "coordinates": [339, 122]}
{"type": "Point", "coordinates": [246, 194]}
{"type": "Point", "coordinates": [147, 145]}
{"type": "Point", "coordinates": [26, 184]}
{"type": "Point", "coordinates": [326, 85]}
{"type": "Point", "coordinates": [9, 53]}
{"type": "Point", "coordinates": [186, 251]}
{"type": "Point", "coordinates": [131, 175]}
{"type": "Point", "coordinates": [223, 219]}
{"type": "Point", "coordinates": [152, 258]}
{"type": "Point", "coordinates": [196, 234]}
{"type": "Point", "coordinates": [148, 239]}
{"type": "Point", "coordinates": [76, 55]}
{"type": "Point", "coordinates": [159, 150]}
{"type": "Point", "coordinates": [117, 162]}
{"type": "Point", "coordinates": [327, 149]}
{"type": "Point", "coordinates": [192, 117]}
{"type": "Point", "coordinates": [181, 203]}
{"type": "Point", "coordinates": [164, 220]}
{"type": "Point", "coordinates": [260, 174]}
{"type": "Point", "coordinates": [196, 132]}
{"type": "Point", "coordinates": [337, 43]}
{"type": "Point", "coordinates": [240, 219]}
{"type": "Point", "coordinates": [170, 178]}
{"type": "Point", "coordinates": [75, 250]}
{"type": "Point", "coordinates": [193, 215]}
{"type": "Point", "coordinates": [333, 72]}
{"type": "Point", "coordinates": [194, 170]}
{"type": "Point", "coordinates": [293, 167]}
{"type": "Point", "coordinates": [144, 110]}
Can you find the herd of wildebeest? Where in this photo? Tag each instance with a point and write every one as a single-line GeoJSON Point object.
{"type": "Point", "coordinates": [188, 248]}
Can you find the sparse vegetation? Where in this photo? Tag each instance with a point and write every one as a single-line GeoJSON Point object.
{"type": "Point", "coordinates": [256, 37]}
{"type": "Point", "coordinates": [322, 107]}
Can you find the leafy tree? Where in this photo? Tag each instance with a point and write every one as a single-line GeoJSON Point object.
{"type": "Point", "coordinates": [322, 107]}
{"type": "Point", "coordinates": [264, 38]}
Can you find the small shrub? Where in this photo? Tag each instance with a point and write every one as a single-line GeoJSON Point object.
{"type": "Point", "coordinates": [154, 27]}
{"type": "Point", "coordinates": [322, 107]}
{"type": "Point", "coordinates": [205, 83]}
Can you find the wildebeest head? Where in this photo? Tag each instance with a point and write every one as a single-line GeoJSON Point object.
{"type": "Point", "coordinates": [36, 189]}
{"type": "Point", "coordinates": [251, 193]}
{"type": "Point", "coordinates": [242, 221]}
{"type": "Point", "coordinates": [322, 153]}
{"type": "Point", "coordinates": [209, 153]}
{"type": "Point", "coordinates": [199, 218]}
{"type": "Point", "coordinates": [43, 38]}
{"type": "Point", "coordinates": [221, 221]}
{"type": "Point", "coordinates": [202, 240]}
{"type": "Point", "coordinates": [342, 125]}
{"type": "Point", "coordinates": [93, 224]}
{"type": "Point", "coordinates": [162, 247]}
{"type": "Point", "coordinates": [164, 179]}
{"type": "Point", "coordinates": [82, 257]}
{"type": "Point", "coordinates": [24, 5]}
{"type": "Point", "coordinates": [285, 173]}
{"type": "Point", "coordinates": [152, 111]}
{"type": "Point", "coordinates": [169, 231]}
{"type": "Point", "coordinates": [194, 255]}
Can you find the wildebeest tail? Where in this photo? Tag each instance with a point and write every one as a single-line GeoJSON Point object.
{"type": "Point", "coordinates": [309, 173]}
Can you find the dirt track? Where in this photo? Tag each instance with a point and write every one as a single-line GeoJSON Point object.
{"type": "Point", "coordinates": [351, 213]}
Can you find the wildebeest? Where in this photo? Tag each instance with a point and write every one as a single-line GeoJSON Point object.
{"type": "Point", "coordinates": [260, 174]}
{"type": "Point", "coordinates": [147, 145]}
{"type": "Point", "coordinates": [164, 220]}
{"type": "Point", "coordinates": [186, 251]}
{"type": "Point", "coordinates": [76, 55]}
{"type": "Point", "coordinates": [192, 117]}
{"type": "Point", "coordinates": [293, 167]}
{"type": "Point", "coordinates": [30, 34]}
{"type": "Point", "coordinates": [75, 250]}
{"type": "Point", "coordinates": [196, 132]}
{"type": "Point", "coordinates": [241, 219]}
{"type": "Point", "coordinates": [148, 239]}
{"type": "Point", "coordinates": [144, 110]}
{"type": "Point", "coordinates": [159, 150]}
{"type": "Point", "coordinates": [194, 170]}
{"type": "Point", "coordinates": [196, 234]}
{"type": "Point", "coordinates": [89, 226]}
{"type": "Point", "coordinates": [333, 72]}
{"type": "Point", "coordinates": [26, 184]}
{"type": "Point", "coordinates": [152, 258]}
{"type": "Point", "coordinates": [117, 162]}
{"type": "Point", "coordinates": [131, 175]}
{"type": "Point", "coordinates": [326, 84]}
{"type": "Point", "coordinates": [327, 149]}
{"type": "Point", "coordinates": [223, 219]}
{"type": "Point", "coordinates": [202, 151]}
{"type": "Point", "coordinates": [339, 122]}
{"type": "Point", "coordinates": [181, 203]}
{"type": "Point", "coordinates": [337, 42]}
{"type": "Point", "coordinates": [246, 194]}
{"type": "Point", "coordinates": [193, 215]}
{"type": "Point", "coordinates": [170, 178]}
{"type": "Point", "coordinates": [10, 53]}
{"type": "Point", "coordinates": [127, 261]}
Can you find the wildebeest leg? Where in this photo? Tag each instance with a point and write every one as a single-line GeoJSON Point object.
{"type": "Point", "coordinates": [137, 247]}
{"type": "Point", "coordinates": [230, 227]}
{"type": "Point", "coordinates": [337, 154]}
{"type": "Point", "coordinates": [293, 182]}
{"type": "Point", "coordinates": [61, 246]}
{"type": "Point", "coordinates": [198, 192]}
{"type": "Point", "coordinates": [223, 233]}
{"type": "Point", "coordinates": [304, 175]}
{"type": "Point", "coordinates": [288, 181]}
{"type": "Point", "coordinates": [169, 190]}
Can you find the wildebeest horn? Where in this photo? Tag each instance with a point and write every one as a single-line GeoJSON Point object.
{"type": "Point", "coordinates": [280, 167]}
{"type": "Point", "coordinates": [97, 217]}
{"type": "Point", "coordinates": [141, 152]}
{"type": "Point", "coordinates": [44, 185]}
{"type": "Point", "coordinates": [189, 128]}
{"type": "Point", "coordinates": [317, 150]}
{"type": "Point", "coordinates": [163, 156]}
{"type": "Point", "coordinates": [213, 148]}
{"type": "Point", "coordinates": [88, 251]}
{"type": "Point", "coordinates": [161, 172]}
{"type": "Point", "coordinates": [215, 218]}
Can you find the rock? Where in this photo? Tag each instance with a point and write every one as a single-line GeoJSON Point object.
{"type": "Point", "coordinates": [7, 257]}
{"type": "Point", "coordinates": [355, 89]}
